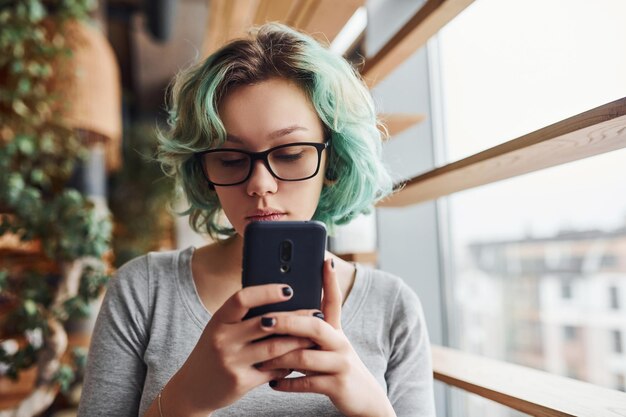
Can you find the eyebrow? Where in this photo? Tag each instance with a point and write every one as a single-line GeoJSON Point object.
{"type": "Point", "coordinates": [274, 135]}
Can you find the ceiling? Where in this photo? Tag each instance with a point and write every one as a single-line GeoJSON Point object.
{"type": "Point", "coordinates": [153, 40]}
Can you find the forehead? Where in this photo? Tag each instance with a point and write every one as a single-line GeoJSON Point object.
{"type": "Point", "coordinates": [263, 108]}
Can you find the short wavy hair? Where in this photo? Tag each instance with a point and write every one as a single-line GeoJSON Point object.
{"type": "Point", "coordinates": [355, 175]}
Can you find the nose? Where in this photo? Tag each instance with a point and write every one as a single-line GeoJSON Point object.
{"type": "Point", "coordinates": [261, 181]}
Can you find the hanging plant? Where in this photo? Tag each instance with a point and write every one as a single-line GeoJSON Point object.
{"type": "Point", "coordinates": [52, 238]}
{"type": "Point", "coordinates": [139, 198]}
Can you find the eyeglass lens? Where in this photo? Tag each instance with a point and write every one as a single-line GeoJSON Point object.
{"type": "Point", "coordinates": [293, 162]}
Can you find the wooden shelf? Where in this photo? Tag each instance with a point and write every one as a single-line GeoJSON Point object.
{"type": "Point", "coordinates": [370, 258]}
{"type": "Point", "coordinates": [428, 20]}
{"type": "Point", "coordinates": [594, 132]}
{"type": "Point", "coordinates": [11, 243]}
{"type": "Point", "coordinates": [397, 123]}
{"type": "Point", "coordinates": [14, 392]}
{"type": "Point", "coordinates": [528, 390]}
{"type": "Point", "coordinates": [323, 19]}
{"type": "Point", "coordinates": [230, 19]}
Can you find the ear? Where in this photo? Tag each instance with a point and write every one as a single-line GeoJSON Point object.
{"type": "Point", "coordinates": [330, 177]}
{"type": "Point", "coordinates": [330, 174]}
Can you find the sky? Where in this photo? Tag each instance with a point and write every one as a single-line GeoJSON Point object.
{"type": "Point", "coordinates": [550, 60]}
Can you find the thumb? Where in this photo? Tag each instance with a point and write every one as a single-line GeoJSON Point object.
{"type": "Point", "coordinates": [331, 303]}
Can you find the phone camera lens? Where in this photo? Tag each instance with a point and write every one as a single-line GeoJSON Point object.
{"type": "Point", "coordinates": [284, 268]}
{"type": "Point", "coordinates": [285, 250]}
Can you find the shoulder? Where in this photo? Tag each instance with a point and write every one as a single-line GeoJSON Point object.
{"type": "Point", "coordinates": [150, 264]}
{"type": "Point", "coordinates": [389, 286]}
{"type": "Point", "coordinates": [393, 295]}
{"type": "Point", "coordinates": [141, 273]}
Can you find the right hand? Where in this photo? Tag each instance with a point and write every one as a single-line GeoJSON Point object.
{"type": "Point", "coordinates": [220, 369]}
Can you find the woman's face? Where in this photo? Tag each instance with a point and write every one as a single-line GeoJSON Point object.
{"type": "Point", "coordinates": [262, 116]}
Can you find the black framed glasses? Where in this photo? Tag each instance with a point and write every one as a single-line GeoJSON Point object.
{"type": "Point", "coordinates": [290, 162]}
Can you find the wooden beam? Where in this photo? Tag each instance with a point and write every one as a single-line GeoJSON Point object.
{"type": "Point", "coordinates": [428, 20]}
{"type": "Point", "coordinates": [594, 132]}
{"type": "Point", "coordinates": [215, 27]}
{"type": "Point", "coordinates": [14, 392]}
{"type": "Point", "coordinates": [228, 20]}
{"type": "Point", "coordinates": [360, 257]}
{"type": "Point", "coordinates": [274, 11]}
{"type": "Point", "coordinates": [399, 122]}
{"type": "Point", "coordinates": [326, 20]}
{"type": "Point", "coordinates": [301, 13]}
{"type": "Point", "coordinates": [528, 390]}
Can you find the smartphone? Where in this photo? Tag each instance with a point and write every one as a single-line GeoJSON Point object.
{"type": "Point", "coordinates": [285, 252]}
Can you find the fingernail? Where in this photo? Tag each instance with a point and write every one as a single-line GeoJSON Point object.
{"type": "Point", "coordinates": [319, 315]}
{"type": "Point", "coordinates": [287, 291]}
{"type": "Point", "coordinates": [273, 383]}
{"type": "Point", "coordinates": [332, 263]}
{"type": "Point", "coordinates": [268, 321]}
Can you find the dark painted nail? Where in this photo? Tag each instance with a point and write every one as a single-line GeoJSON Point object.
{"type": "Point", "coordinates": [268, 321]}
{"type": "Point", "coordinates": [287, 291]}
{"type": "Point", "coordinates": [319, 315]}
{"type": "Point", "coordinates": [332, 263]}
{"type": "Point", "coordinates": [273, 383]}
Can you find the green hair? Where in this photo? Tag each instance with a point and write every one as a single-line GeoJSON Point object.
{"type": "Point", "coordinates": [355, 175]}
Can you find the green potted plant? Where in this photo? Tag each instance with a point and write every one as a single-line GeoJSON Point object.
{"type": "Point", "coordinates": [52, 238]}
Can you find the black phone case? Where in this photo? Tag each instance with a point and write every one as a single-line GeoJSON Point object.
{"type": "Point", "coordinates": [264, 262]}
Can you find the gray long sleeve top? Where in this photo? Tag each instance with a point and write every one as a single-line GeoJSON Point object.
{"type": "Point", "coordinates": [152, 318]}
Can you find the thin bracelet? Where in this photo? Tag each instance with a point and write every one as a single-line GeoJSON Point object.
{"type": "Point", "coordinates": [159, 403]}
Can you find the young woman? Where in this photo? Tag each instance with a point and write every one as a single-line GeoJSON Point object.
{"type": "Point", "coordinates": [274, 127]}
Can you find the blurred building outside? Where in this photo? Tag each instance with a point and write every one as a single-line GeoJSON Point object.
{"type": "Point", "coordinates": [555, 303]}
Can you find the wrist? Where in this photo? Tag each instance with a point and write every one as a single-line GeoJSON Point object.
{"type": "Point", "coordinates": [381, 408]}
{"type": "Point", "coordinates": [385, 411]}
{"type": "Point", "coordinates": [177, 400]}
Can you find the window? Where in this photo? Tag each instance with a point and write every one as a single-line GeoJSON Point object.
{"type": "Point", "coordinates": [617, 341]}
{"type": "Point", "coordinates": [509, 68]}
{"type": "Point", "coordinates": [609, 260]}
{"type": "Point", "coordinates": [614, 297]}
{"type": "Point", "coordinates": [570, 333]}
{"type": "Point", "coordinates": [566, 288]}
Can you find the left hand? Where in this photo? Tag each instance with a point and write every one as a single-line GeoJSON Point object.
{"type": "Point", "coordinates": [334, 369]}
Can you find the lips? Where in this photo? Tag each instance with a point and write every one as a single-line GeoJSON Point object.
{"type": "Point", "coordinates": [265, 215]}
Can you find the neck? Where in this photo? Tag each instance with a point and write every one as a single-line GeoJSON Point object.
{"type": "Point", "coordinates": [230, 253]}
{"type": "Point", "coordinates": [216, 271]}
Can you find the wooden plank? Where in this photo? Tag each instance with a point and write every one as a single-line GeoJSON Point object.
{"type": "Point", "coordinates": [360, 257]}
{"type": "Point", "coordinates": [301, 13]}
{"type": "Point", "coordinates": [428, 20]}
{"type": "Point", "coordinates": [528, 390]}
{"type": "Point", "coordinates": [399, 122]}
{"type": "Point", "coordinates": [228, 19]}
{"type": "Point", "coordinates": [354, 53]}
{"type": "Point", "coordinates": [594, 132]}
{"type": "Point", "coordinates": [216, 26]}
{"type": "Point", "coordinates": [242, 17]}
{"type": "Point", "coordinates": [11, 242]}
{"type": "Point", "coordinates": [329, 17]}
{"type": "Point", "coordinates": [12, 393]}
{"type": "Point", "coordinates": [274, 11]}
